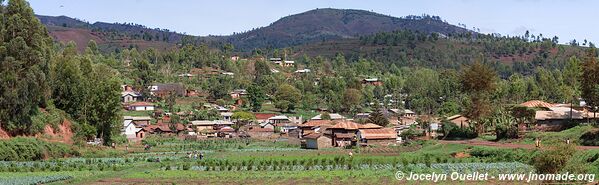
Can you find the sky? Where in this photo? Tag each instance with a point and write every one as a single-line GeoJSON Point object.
{"type": "Point", "coordinates": [567, 19]}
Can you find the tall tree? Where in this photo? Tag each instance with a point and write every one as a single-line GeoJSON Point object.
{"type": "Point", "coordinates": [256, 97]}
{"type": "Point", "coordinates": [24, 56]}
{"type": "Point", "coordinates": [105, 103]}
{"type": "Point", "coordinates": [287, 97]}
{"type": "Point", "coordinates": [352, 98]}
{"type": "Point", "coordinates": [478, 81]}
{"type": "Point", "coordinates": [590, 79]}
{"type": "Point", "coordinates": [67, 82]}
{"type": "Point", "coordinates": [377, 116]}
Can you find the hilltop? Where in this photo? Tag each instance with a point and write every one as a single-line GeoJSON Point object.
{"type": "Point", "coordinates": [109, 36]}
{"type": "Point", "coordinates": [334, 24]}
{"type": "Point", "coordinates": [309, 27]}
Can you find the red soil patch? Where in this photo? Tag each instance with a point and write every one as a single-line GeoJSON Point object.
{"type": "Point", "coordinates": [4, 134]}
{"type": "Point", "coordinates": [461, 155]}
{"type": "Point", "coordinates": [80, 36]}
{"type": "Point", "coordinates": [64, 134]}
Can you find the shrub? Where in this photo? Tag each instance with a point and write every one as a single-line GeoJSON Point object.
{"type": "Point", "coordinates": [30, 149]}
{"type": "Point", "coordinates": [552, 161]}
{"type": "Point", "coordinates": [452, 131]}
{"type": "Point", "coordinates": [590, 138]}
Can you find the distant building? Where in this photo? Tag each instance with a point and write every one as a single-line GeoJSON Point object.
{"type": "Point", "coordinates": [318, 141]}
{"type": "Point", "coordinates": [238, 93]}
{"type": "Point", "coordinates": [377, 136]}
{"type": "Point", "coordinates": [372, 81]}
{"type": "Point", "coordinates": [130, 96]}
{"type": "Point", "coordinates": [163, 90]}
{"type": "Point", "coordinates": [141, 106]}
{"type": "Point", "coordinates": [186, 75]}
{"type": "Point", "coordinates": [334, 116]}
{"type": "Point", "coordinates": [277, 61]}
{"type": "Point", "coordinates": [301, 71]}
{"type": "Point", "coordinates": [288, 63]}
{"type": "Point", "coordinates": [459, 120]}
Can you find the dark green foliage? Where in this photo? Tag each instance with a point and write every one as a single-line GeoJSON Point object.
{"type": "Point", "coordinates": [452, 131]}
{"type": "Point", "coordinates": [377, 116]}
{"type": "Point", "coordinates": [256, 97]}
{"type": "Point", "coordinates": [590, 79]}
{"type": "Point", "coordinates": [29, 149]}
{"type": "Point", "coordinates": [287, 97]}
{"type": "Point", "coordinates": [590, 138]}
{"type": "Point", "coordinates": [553, 160]}
{"type": "Point", "coordinates": [24, 57]}
{"type": "Point", "coordinates": [478, 81]}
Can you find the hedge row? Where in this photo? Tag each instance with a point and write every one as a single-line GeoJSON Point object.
{"type": "Point", "coordinates": [31, 149]}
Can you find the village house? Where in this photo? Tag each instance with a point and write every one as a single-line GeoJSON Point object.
{"type": "Point", "coordinates": [408, 113]}
{"type": "Point", "coordinates": [164, 90]}
{"type": "Point", "coordinates": [259, 132]}
{"type": "Point", "coordinates": [238, 93]}
{"type": "Point", "coordinates": [263, 117]}
{"type": "Point", "coordinates": [313, 126]}
{"type": "Point", "coordinates": [317, 141]}
{"type": "Point", "coordinates": [286, 127]}
{"type": "Point", "coordinates": [380, 136]}
{"type": "Point", "coordinates": [407, 121]}
{"type": "Point", "coordinates": [234, 58]}
{"type": "Point", "coordinates": [194, 93]}
{"type": "Point", "coordinates": [267, 125]}
{"type": "Point", "coordinates": [362, 116]}
{"type": "Point", "coordinates": [334, 116]}
{"type": "Point", "coordinates": [186, 75]}
{"type": "Point", "coordinates": [459, 120]}
{"type": "Point", "coordinates": [226, 132]}
{"type": "Point", "coordinates": [277, 61]}
{"type": "Point", "coordinates": [301, 71]}
{"type": "Point", "coordinates": [343, 133]}
{"type": "Point", "coordinates": [141, 106]}
{"type": "Point", "coordinates": [131, 130]}
{"type": "Point", "coordinates": [226, 116]}
{"type": "Point", "coordinates": [138, 120]}
{"type": "Point", "coordinates": [557, 117]}
{"type": "Point", "coordinates": [279, 119]}
{"type": "Point", "coordinates": [209, 128]}
{"type": "Point", "coordinates": [287, 63]}
{"type": "Point", "coordinates": [372, 81]}
{"type": "Point", "coordinates": [129, 95]}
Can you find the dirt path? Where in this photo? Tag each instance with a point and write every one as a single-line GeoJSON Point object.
{"type": "Point", "coordinates": [505, 145]}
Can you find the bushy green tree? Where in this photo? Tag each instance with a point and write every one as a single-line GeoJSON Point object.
{"type": "Point", "coordinates": [478, 81]}
{"type": "Point", "coordinates": [24, 58]}
{"type": "Point", "coordinates": [287, 97]}
{"type": "Point", "coordinates": [377, 116]}
{"type": "Point", "coordinates": [256, 97]}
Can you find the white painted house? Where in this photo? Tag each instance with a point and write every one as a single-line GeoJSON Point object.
{"type": "Point", "coordinates": [130, 130]}
{"type": "Point", "coordinates": [141, 106]}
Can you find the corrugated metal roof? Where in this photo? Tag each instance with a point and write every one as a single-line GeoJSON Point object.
{"type": "Point", "coordinates": [383, 133]}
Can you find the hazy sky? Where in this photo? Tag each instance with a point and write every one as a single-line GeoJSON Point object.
{"type": "Point", "coordinates": [568, 19]}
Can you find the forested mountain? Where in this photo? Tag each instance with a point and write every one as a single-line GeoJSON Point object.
{"type": "Point", "coordinates": [520, 54]}
{"type": "Point", "coordinates": [308, 27]}
{"type": "Point", "coordinates": [334, 24]}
